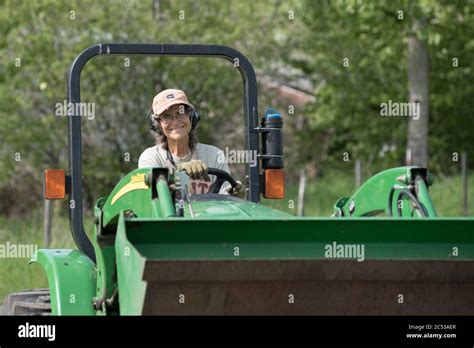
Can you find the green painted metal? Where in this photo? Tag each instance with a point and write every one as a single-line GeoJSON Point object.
{"type": "Point", "coordinates": [425, 198]}
{"type": "Point", "coordinates": [303, 238]}
{"type": "Point", "coordinates": [136, 226]}
{"type": "Point", "coordinates": [371, 198]}
{"type": "Point", "coordinates": [106, 284]}
{"type": "Point", "coordinates": [137, 200]}
{"type": "Point", "coordinates": [167, 208]}
{"type": "Point", "coordinates": [143, 204]}
{"type": "Point", "coordinates": [141, 242]}
{"type": "Point", "coordinates": [105, 258]}
{"type": "Point", "coordinates": [130, 266]}
{"type": "Point", "coordinates": [72, 280]}
{"type": "Point", "coordinates": [158, 207]}
{"type": "Point", "coordinates": [233, 209]}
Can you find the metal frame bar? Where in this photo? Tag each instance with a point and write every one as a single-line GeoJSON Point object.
{"type": "Point", "coordinates": [74, 96]}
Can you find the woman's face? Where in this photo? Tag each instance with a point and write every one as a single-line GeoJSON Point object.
{"type": "Point", "coordinates": [175, 122]}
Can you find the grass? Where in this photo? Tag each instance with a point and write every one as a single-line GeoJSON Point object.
{"type": "Point", "coordinates": [15, 274]}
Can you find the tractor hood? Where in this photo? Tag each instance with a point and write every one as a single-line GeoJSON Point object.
{"type": "Point", "coordinates": [231, 209]}
{"type": "Point", "coordinates": [140, 196]}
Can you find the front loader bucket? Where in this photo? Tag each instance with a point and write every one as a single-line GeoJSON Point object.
{"type": "Point", "coordinates": [296, 266]}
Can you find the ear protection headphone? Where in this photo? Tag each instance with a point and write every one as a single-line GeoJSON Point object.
{"type": "Point", "coordinates": [194, 118]}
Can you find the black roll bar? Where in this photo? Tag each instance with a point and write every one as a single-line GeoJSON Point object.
{"type": "Point", "coordinates": [74, 134]}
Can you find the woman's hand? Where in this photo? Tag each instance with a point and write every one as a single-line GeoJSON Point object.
{"type": "Point", "coordinates": [238, 191]}
{"type": "Point", "coordinates": [196, 169]}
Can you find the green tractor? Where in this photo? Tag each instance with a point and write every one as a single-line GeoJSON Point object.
{"type": "Point", "coordinates": [241, 257]}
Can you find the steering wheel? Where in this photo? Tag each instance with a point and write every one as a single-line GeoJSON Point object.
{"type": "Point", "coordinates": [221, 177]}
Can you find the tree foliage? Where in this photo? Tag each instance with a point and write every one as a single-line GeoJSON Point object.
{"type": "Point", "coordinates": [288, 42]}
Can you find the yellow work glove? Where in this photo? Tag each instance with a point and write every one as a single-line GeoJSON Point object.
{"type": "Point", "coordinates": [196, 169]}
{"type": "Point", "coordinates": [238, 191]}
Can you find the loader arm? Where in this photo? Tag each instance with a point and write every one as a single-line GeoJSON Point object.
{"type": "Point", "coordinates": [401, 192]}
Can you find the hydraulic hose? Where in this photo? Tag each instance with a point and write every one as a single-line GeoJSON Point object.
{"type": "Point", "coordinates": [390, 198]}
{"type": "Point", "coordinates": [404, 192]}
{"type": "Point", "coordinates": [412, 198]}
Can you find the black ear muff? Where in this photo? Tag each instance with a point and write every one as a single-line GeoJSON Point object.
{"type": "Point", "coordinates": [194, 118]}
{"type": "Point", "coordinates": [194, 115]}
{"type": "Point", "coordinates": [151, 121]}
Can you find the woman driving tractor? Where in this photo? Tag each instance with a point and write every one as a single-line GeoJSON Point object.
{"type": "Point", "coordinates": [174, 120]}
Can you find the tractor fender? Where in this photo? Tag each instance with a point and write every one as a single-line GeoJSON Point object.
{"type": "Point", "coordinates": [71, 278]}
